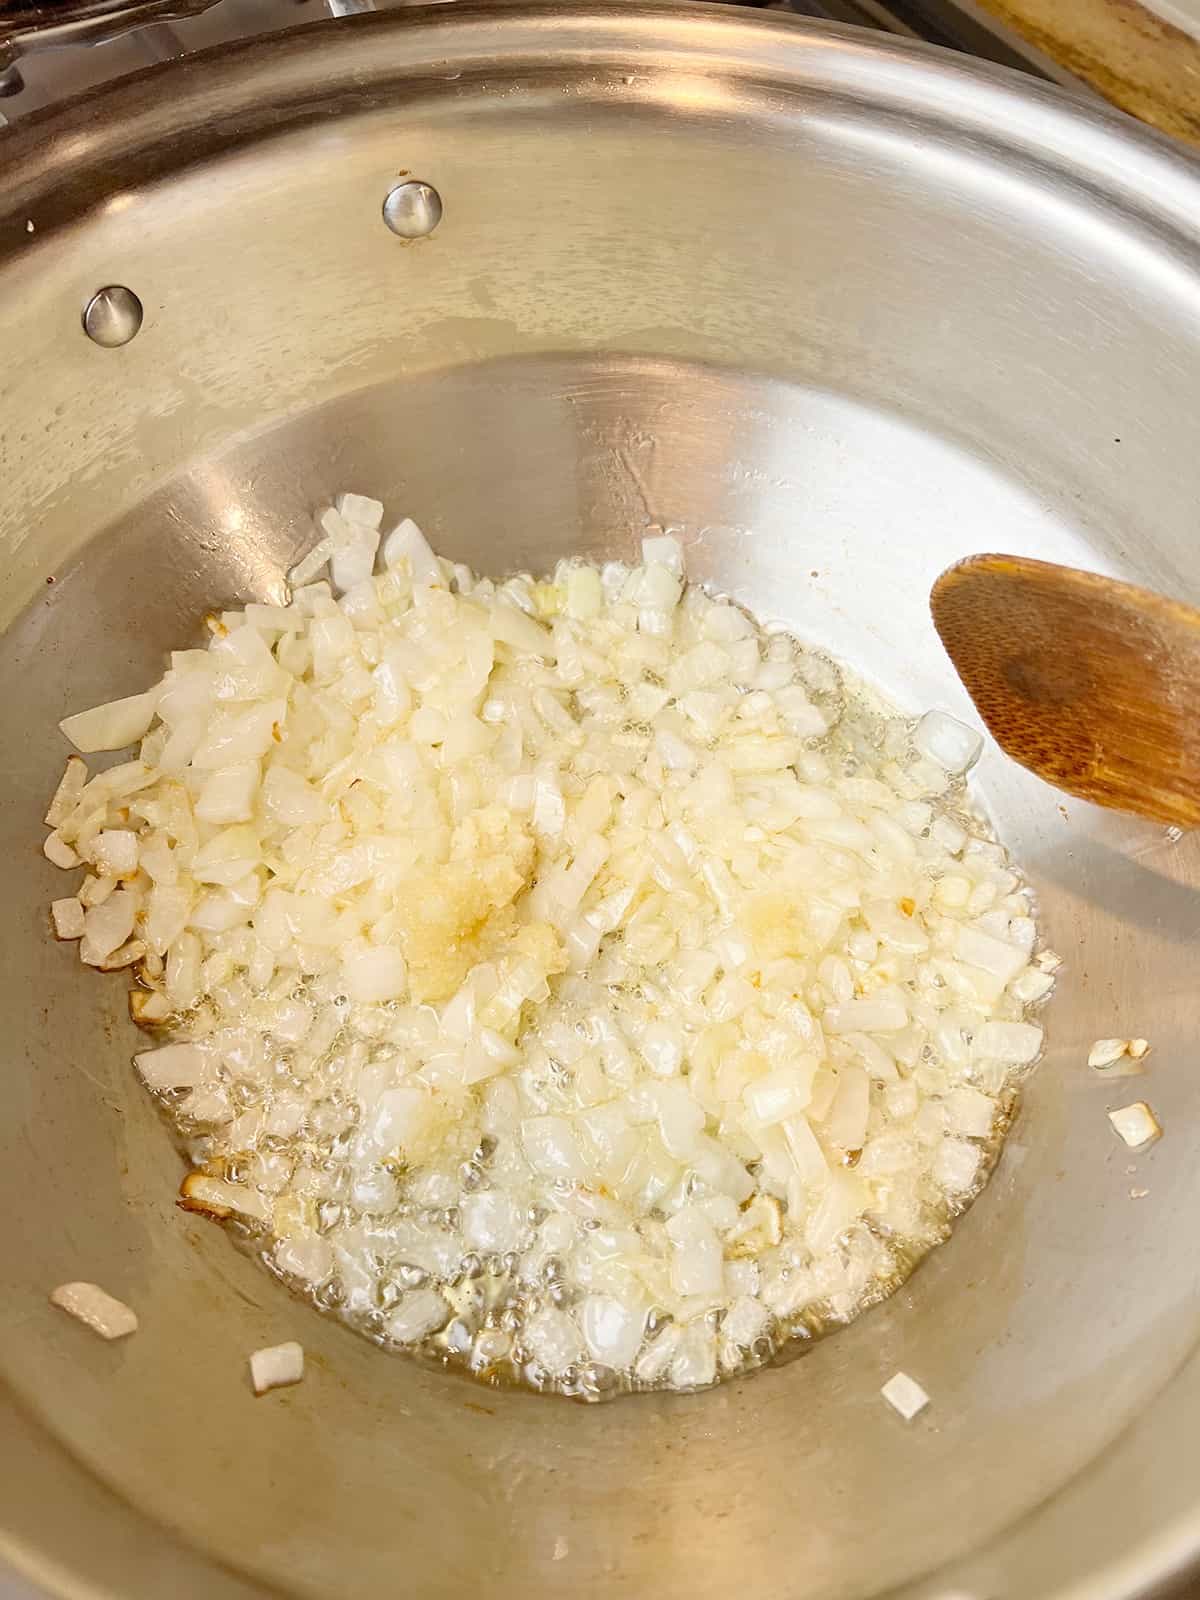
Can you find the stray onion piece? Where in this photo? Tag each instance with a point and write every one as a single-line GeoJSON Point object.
{"type": "Point", "coordinates": [89, 1304]}
{"type": "Point", "coordinates": [1118, 1058]}
{"type": "Point", "coordinates": [569, 979]}
{"type": "Point", "coordinates": [905, 1395]}
{"type": "Point", "coordinates": [276, 1367]}
{"type": "Point", "coordinates": [1136, 1124]}
{"type": "Point", "coordinates": [1106, 1052]}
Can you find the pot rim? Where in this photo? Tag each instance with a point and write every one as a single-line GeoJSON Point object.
{"type": "Point", "coordinates": [69, 160]}
{"type": "Point", "coordinates": [69, 157]}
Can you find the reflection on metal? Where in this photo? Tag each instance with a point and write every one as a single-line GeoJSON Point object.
{"type": "Point", "coordinates": [413, 209]}
{"type": "Point", "coordinates": [112, 316]}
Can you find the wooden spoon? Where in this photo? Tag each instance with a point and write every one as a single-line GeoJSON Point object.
{"type": "Point", "coordinates": [1092, 684]}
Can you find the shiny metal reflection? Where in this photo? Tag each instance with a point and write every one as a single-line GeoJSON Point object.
{"type": "Point", "coordinates": [112, 316]}
{"type": "Point", "coordinates": [413, 209]}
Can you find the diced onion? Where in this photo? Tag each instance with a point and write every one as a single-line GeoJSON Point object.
{"type": "Point", "coordinates": [57, 850]}
{"type": "Point", "coordinates": [174, 1066]}
{"type": "Point", "coordinates": [947, 741]}
{"type": "Point", "coordinates": [956, 1165]}
{"type": "Point", "coordinates": [885, 1015]}
{"type": "Point", "coordinates": [696, 1262]}
{"type": "Point", "coordinates": [612, 1330]}
{"type": "Point", "coordinates": [1014, 1043]}
{"type": "Point", "coordinates": [1118, 1058]}
{"type": "Point", "coordinates": [305, 1256]}
{"type": "Point", "coordinates": [360, 510]}
{"type": "Point", "coordinates": [492, 1222]}
{"type": "Point", "coordinates": [416, 1316]}
{"type": "Point", "coordinates": [664, 551]}
{"type": "Point", "coordinates": [89, 1304]}
{"type": "Point", "coordinates": [374, 975]}
{"type": "Point", "coordinates": [406, 543]}
{"type": "Point", "coordinates": [219, 1199]}
{"type": "Point", "coordinates": [997, 956]}
{"type": "Point", "coordinates": [108, 925]}
{"type": "Point", "coordinates": [115, 852]}
{"type": "Point", "coordinates": [573, 948]}
{"type": "Point", "coordinates": [68, 918]}
{"type": "Point", "coordinates": [66, 796]}
{"type": "Point", "coordinates": [905, 1395]}
{"type": "Point", "coordinates": [276, 1366]}
{"type": "Point", "coordinates": [1136, 1124]}
{"type": "Point", "coordinates": [554, 1340]}
{"type": "Point", "coordinates": [112, 726]}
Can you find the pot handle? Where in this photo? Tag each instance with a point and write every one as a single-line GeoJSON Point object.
{"type": "Point", "coordinates": [48, 47]}
{"type": "Point", "coordinates": [32, 27]}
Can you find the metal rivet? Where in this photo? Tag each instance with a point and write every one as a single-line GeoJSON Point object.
{"type": "Point", "coordinates": [112, 316]}
{"type": "Point", "coordinates": [412, 209]}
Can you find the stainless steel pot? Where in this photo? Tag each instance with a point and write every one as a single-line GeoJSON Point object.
{"type": "Point", "coordinates": [841, 310]}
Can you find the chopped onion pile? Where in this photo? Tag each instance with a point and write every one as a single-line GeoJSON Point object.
{"type": "Point", "coordinates": [570, 978]}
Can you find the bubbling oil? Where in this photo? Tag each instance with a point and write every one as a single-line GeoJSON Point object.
{"type": "Point", "coordinates": [405, 1237]}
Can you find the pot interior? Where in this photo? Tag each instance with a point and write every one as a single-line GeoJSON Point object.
{"type": "Point", "coordinates": [839, 312]}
